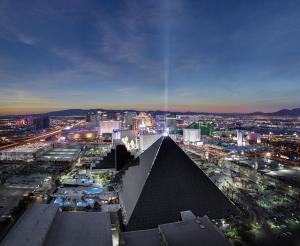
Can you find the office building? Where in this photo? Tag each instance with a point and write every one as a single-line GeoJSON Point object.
{"type": "Point", "coordinates": [41, 122]}
{"type": "Point", "coordinates": [95, 119]}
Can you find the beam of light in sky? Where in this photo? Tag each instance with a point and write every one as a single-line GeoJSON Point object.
{"type": "Point", "coordinates": [166, 54]}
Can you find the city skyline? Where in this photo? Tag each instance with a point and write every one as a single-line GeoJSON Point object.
{"type": "Point", "coordinates": [201, 56]}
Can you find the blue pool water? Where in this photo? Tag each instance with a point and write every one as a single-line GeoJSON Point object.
{"type": "Point", "coordinates": [58, 201]}
{"type": "Point", "coordinates": [93, 191]}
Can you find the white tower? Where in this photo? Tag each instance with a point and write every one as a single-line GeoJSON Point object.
{"type": "Point", "coordinates": [239, 136]}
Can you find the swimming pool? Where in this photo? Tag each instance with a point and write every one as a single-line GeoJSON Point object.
{"type": "Point", "coordinates": [93, 191]}
{"type": "Point", "coordinates": [59, 201]}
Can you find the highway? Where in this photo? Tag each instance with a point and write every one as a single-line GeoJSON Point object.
{"type": "Point", "coordinates": [24, 140]}
{"type": "Point", "coordinates": [43, 136]}
{"type": "Point", "coordinates": [31, 139]}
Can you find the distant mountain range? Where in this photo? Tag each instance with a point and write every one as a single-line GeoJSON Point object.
{"type": "Point", "coordinates": [82, 112]}
{"type": "Point", "coordinates": [69, 112]}
{"type": "Point", "coordinates": [284, 112]}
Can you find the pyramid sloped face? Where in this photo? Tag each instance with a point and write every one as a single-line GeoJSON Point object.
{"type": "Point", "coordinates": [134, 178]}
{"type": "Point", "coordinates": [175, 184]}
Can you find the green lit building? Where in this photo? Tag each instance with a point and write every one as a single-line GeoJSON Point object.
{"type": "Point", "coordinates": [207, 128]}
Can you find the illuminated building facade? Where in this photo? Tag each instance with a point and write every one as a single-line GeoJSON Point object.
{"type": "Point", "coordinates": [94, 118]}
{"type": "Point", "coordinates": [24, 121]}
{"type": "Point", "coordinates": [128, 119]}
{"type": "Point", "coordinates": [108, 126]}
{"type": "Point", "coordinates": [143, 120]}
{"type": "Point", "coordinates": [82, 135]}
{"type": "Point", "coordinates": [254, 137]}
{"type": "Point", "coordinates": [207, 129]}
{"type": "Point", "coordinates": [39, 122]}
{"type": "Point", "coordinates": [239, 136]}
{"type": "Point", "coordinates": [191, 135]}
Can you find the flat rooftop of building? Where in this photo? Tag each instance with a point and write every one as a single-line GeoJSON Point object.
{"type": "Point", "coordinates": [193, 233]}
{"type": "Point", "coordinates": [32, 227]}
{"type": "Point", "coordinates": [44, 224]}
{"type": "Point", "coordinates": [149, 237]}
{"type": "Point", "coordinates": [67, 153]}
{"type": "Point", "coordinates": [80, 228]}
{"type": "Point", "coordinates": [31, 181]}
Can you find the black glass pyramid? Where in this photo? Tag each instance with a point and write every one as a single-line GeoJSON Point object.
{"type": "Point", "coordinates": [162, 182]}
{"type": "Point", "coordinates": [117, 158]}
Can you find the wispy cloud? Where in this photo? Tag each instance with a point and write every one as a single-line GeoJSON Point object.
{"type": "Point", "coordinates": [86, 64]}
{"type": "Point", "coordinates": [126, 91]}
{"type": "Point", "coordinates": [25, 39]}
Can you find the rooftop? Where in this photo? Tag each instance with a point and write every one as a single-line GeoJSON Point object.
{"type": "Point", "coordinates": [44, 224]}
{"type": "Point", "coordinates": [67, 153]}
{"type": "Point", "coordinates": [32, 227]}
{"type": "Point", "coordinates": [200, 231]}
{"type": "Point", "coordinates": [80, 228]}
{"type": "Point", "coordinates": [192, 231]}
{"type": "Point", "coordinates": [28, 148]}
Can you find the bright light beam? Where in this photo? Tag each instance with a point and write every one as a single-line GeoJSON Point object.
{"type": "Point", "coordinates": [166, 54]}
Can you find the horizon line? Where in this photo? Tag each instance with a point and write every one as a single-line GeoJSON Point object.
{"type": "Point", "coordinates": [140, 110]}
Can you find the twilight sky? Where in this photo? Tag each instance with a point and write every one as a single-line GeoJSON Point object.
{"type": "Point", "coordinates": [206, 55]}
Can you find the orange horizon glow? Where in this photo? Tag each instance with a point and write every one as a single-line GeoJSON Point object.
{"type": "Point", "coordinates": [207, 108]}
